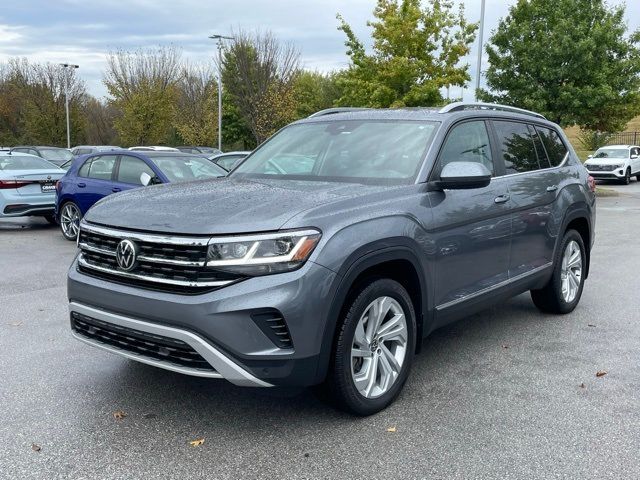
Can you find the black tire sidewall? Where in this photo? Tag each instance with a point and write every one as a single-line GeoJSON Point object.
{"type": "Point", "coordinates": [566, 307]}
{"type": "Point", "coordinates": [347, 392]}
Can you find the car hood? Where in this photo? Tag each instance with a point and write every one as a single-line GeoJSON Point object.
{"type": "Point", "coordinates": [219, 206]}
{"type": "Point", "coordinates": [606, 161]}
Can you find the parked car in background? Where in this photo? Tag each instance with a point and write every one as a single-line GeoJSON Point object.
{"type": "Point", "coordinates": [228, 160]}
{"type": "Point", "coordinates": [27, 186]}
{"type": "Point", "coordinates": [86, 149]}
{"type": "Point", "coordinates": [92, 177]}
{"type": "Point", "coordinates": [55, 155]}
{"type": "Point", "coordinates": [151, 148]}
{"type": "Point", "coordinates": [199, 150]}
{"type": "Point", "coordinates": [332, 250]}
{"type": "Point", "coordinates": [615, 162]}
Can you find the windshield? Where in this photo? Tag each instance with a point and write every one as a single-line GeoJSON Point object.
{"type": "Point", "coordinates": [184, 168]}
{"type": "Point", "coordinates": [362, 151]}
{"type": "Point", "coordinates": [612, 153]}
{"type": "Point", "coordinates": [56, 154]}
{"type": "Point", "coordinates": [24, 162]}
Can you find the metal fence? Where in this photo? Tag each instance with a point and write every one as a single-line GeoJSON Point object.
{"type": "Point", "coordinates": [624, 138]}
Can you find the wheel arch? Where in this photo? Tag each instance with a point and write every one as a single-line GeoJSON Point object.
{"type": "Point", "coordinates": [579, 219]}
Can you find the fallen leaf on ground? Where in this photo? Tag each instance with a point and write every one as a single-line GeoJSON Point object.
{"type": "Point", "coordinates": [582, 385]}
{"type": "Point", "coordinates": [391, 429]}
{"type": "Point", "coordinates": [197, 443]}
{"type": "Point", "coordinates": [119, 415]}
{"type": "Point", "coordinates": [505, 346]}
{"type": "Point", "coordinates": [15, 324]}
{"type": "Point", "coordinates": [601, 373]}
{"type": "Point", "coordinates": [590, 325]}
{"type": "Point", "coordinates": [306, 455]}
{"type": "Point", "coordinates": [35, 447]}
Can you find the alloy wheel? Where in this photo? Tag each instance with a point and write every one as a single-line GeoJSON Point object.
{"type": "Point", "coordinates": [571, 271]}
{"type": "Point", "coordinates": [379, 347]}
{"type": "Point", "coordinates": [70, 220]}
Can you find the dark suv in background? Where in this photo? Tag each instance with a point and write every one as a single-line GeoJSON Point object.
{"type": "Point", "coordinates": [336, 247]}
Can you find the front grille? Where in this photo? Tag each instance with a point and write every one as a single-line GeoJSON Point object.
{"type": "Point", "coordinates": [601, 168]}
{"type": "Point", "coordinates": [273, 325]}
{"type": "Point", "coordinates": [172, 264]}
{"type": "Point", "coordinates": [145, 344]}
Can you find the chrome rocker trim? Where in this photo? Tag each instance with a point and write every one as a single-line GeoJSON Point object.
{"type": "Point", "coordinates": [224, 367]}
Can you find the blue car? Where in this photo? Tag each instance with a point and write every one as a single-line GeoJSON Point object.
{"type": "Point", "coordinates": [92, 177]}
{"type": "Point", "coordinates": [28, 186]}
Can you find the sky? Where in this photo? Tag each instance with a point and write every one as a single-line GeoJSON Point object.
{"type": "Point", "coordinates": [85, 31]}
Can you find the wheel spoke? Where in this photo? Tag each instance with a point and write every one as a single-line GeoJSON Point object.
{"type": "Point", "coordinates": [390, 359]}
{"type": "Point", "coordinates": [386, 373]}
{"type": "Point", "coordinates": [360, 352]}
{"type": "Point", "coordinates": [394, 329]}
{"type": "Point", "coordinates": [372, 374]}
{"type": "Point", "coordinates": [360, 337]}
{"type": "Point", "coordinates": [575, 259]}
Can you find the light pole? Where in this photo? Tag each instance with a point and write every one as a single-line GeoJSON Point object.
{"type": "Point", "coordinates": [67, 66]}
{"type": "Point", "coordinates": [219, 39]}
{"type": "Point", "coordinates": [480, 33]}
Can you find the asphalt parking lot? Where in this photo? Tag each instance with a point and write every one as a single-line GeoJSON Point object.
{"type": "Point", "coordinates": [507, 393]}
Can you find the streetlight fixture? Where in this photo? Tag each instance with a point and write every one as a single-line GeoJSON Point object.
{"type": "Point", "coordinates": [480, 33]}
{"type": "Point", "coordinates": [66, 67]}
{"type": "Point", "coordinates": [219, 39]}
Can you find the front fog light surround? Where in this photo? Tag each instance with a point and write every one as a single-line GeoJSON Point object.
{"type": "Point", "coordinates": [262, 254]}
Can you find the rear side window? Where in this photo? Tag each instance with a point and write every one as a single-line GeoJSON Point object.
{"type": "Point", "coordinates": [516, 146]}
{"type": "Point", "coordinates": [131, 168]}
{"type": "Point", "coordinates": [100, 168]}
{"type": "Point", "coordinates": [467, 142]}
{"type": "Point", "coordinates": [556, 150]}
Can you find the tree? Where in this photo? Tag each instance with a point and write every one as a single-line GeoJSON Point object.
{"type": "Point", "coordinates": [314, 91]}
{"type": "Point", "coordinates": [416, 52]}
{"type": "Point", "coordinates": [196, 111]}
{"type": "Point", "coordinates": [569, 60]}
{"type": "Point", "coordinates": [258, 74]}
{"type": "Point", "coordinates": [143, 85]}
{"type": "Point", "coordinates": [99, 118]}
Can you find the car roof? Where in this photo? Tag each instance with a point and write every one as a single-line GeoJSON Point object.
{"type": "Point", "coordinates": [619, 146]}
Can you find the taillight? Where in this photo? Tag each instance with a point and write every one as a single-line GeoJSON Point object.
{"type": "Point", "coordinates": [6, 184]}
{"type": "Point", "coordinates": [592, 183]}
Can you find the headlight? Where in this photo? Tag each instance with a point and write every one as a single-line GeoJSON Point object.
{"type": "Point", "coordinates": [262, 254]}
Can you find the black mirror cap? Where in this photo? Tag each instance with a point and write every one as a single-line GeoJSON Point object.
{"type": "Point", "coordinates": [462, 183]}
{"type": "Point", "coordinates": [463, 175]}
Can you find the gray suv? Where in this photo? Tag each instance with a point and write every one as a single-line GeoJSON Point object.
{"type": "Point", "coordinates": [333, 249]}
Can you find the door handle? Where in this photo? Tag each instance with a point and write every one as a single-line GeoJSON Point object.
{"type": "Point", "coordinates": [82, 184]}
{"type": "Point", "coordinates": [552, 188]}
{"type": "Point", "coordinates": [502, 198]}
{"type": "Point", "coordinates": [116, 189]}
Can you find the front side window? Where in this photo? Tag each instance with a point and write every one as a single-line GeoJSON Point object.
{"type": "Point", "coordinates": [553, 144]}
{"type": "Point", "coordinates": [516, 146]}
{"type": "Point", "coordinates": [351, 150]}
{"type": "Point", "coordinates": [131, 168]}
{"type": "Point", "coordinates": [467, 142]}
{"type": "Point", "coordinates": [183, 167]}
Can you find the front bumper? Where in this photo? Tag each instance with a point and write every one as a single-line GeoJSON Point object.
{"type": "Point", "coordinates": [617, 174]}
{"type": "Point", "coordinates": [220, 325]}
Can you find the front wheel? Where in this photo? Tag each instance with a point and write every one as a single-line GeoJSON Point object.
{"type": "Point", "coordinates": [563, 291]}
{"type": "Point", "coordinates": [627, 177]}
{"type": "Point", "coordinates": [374, 349]}
{"type": "Point", "coordinates": [70, 217]}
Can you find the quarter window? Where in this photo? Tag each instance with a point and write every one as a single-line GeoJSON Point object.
{"type": "Point", "coordinates": [131, 168]}
{"type": "Point", "coordinates": [467, 142]}
{"type": "Point", "coordinates": [517, 147]}
{"type": "Point", "coordinates": [100, 168]}
{"type": "Point", "coordinates": [556, 150]}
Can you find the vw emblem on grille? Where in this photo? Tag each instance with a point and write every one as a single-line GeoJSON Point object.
{"type": "Point", "coordinates": [126, 253]}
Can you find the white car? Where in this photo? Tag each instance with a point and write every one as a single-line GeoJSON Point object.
{"type": "Point", "coordinates": [615, 162]}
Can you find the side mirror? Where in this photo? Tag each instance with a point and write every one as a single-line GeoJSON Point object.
{"type": "Point", "coordinates": [145, 178]}
{"type": "Point", "coordinates": [590, 156]}
{"type": "Point", "coordinates": [463, 175]}
{"type": "Point", "coordinates": [633, 157]}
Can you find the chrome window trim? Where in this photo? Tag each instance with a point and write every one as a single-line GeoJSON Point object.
{"type": "Point", "coordinates": [504, 283]}
{"type": "Point", "coordinates": [166, 281]}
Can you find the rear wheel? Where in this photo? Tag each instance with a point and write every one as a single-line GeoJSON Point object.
{"type": "Point", "coordinates": [70, 217]}
{"type": "Point", "coordinates": [563, 291]}
{"type": "Point", "coordinates": [374, 349]}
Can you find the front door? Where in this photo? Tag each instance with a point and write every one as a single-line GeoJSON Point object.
{"type": "Point", "coordinates": [471, 228]}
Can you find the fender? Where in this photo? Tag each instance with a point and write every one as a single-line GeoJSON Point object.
{"type": "Point", "coordinates": [575, 211]}
{"type": "Point", "coordinates": [367, 256]}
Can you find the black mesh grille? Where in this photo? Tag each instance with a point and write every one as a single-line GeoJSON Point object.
{"type": "Point", "coordinates": [601, 168]}
{"type": "Point", "coordinates": [272, 324]}
{"type": "Point", "coordinates": [141, 343]}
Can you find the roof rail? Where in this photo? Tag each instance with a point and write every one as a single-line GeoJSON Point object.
{"type": "Point", "coordinates": [331, 111]}
{"type": "Point", "coordinates": [459, 106]}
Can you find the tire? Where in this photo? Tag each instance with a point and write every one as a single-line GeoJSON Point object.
{"type": "Point", "coordinates": [561, 296]}
{"type": "Point", "coordinates": [70, 216]}
{"type": "Point", "coordinates": [368, 397]}
{"type": "Point", "coordinates": [51, 219]}
{"type": "Point", "coordinates": [638, 177]}
{"type": "Point", "coordinates": [627, 177]}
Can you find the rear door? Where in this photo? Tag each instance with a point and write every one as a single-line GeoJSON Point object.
{"type": "Point", "coordinates": [471, 228]}
{"type": "Point", "coordinates": [534, 185]}
{"type": "Point", "coordinates": [635, 162]}
{"type": "Point", "coordinates": [95, 180]}
{"type": "Point", "coordinates": [128, 173]}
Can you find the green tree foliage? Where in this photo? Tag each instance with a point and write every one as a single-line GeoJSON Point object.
{"type": "Point", "coordinates": [314, 91]}
{"type": "Point", "coordinates": [196, 110]}
{"type": "Point", "coordinates": [417, 51]}
{"type": "Point", "coordinates": [144, 86]}
{"type": "Point", "coordinates": [568, 59]}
